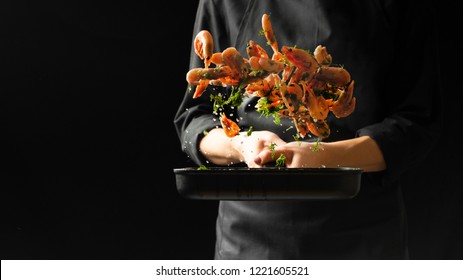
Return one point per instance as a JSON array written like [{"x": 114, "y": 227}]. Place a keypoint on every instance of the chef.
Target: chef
[{"x": 389, "y": 49}]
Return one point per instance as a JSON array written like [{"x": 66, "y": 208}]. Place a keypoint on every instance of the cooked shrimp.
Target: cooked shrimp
[
  {"x": 345, "y": 104},
  {"x": 296, "y": 84},
  {"x": 254, "y": 49},
  {"x": 269, "y": 34},
  {"x": 265, "y": 64},
  {"x": 296, "y": 90},
  {"x": 232, "y": 58},
  {"x": 289, "y": 95},
  {"x": 200, "y": 88},
  {"x": 322, "y": 56},
  {"x": 230, "y": 127},
  {"x": 260, "y": 88},
  {"x": 336, "y": 76},
  {"x": 254, "y": 63},
  {"x": 217, "y": 58},
  {"x": 204, "y": 46},
  {"x": 266, "y": 86},
  {"x": 319, "y": 128},
  {"x": 317, "y": 105},
  {"x": 302, "y": 126},
  {"x": 195, "y": 75},
  {"x": 301, "y": 59}
]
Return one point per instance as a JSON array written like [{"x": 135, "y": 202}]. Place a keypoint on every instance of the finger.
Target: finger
[
  {"x": 279, "y": 142},
  {"x": 252, "y": 164},
  {"x": 266, "y": 156}
]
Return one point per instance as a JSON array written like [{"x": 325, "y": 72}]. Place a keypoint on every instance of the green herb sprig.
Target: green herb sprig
[
  {"x": 272, "y": 149},
  {"x": 202, "y": 167},
  {"x": 280, "y": 162}
]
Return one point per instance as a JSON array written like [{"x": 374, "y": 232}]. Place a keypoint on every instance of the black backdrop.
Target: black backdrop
[{"x": 88, "y": 92}]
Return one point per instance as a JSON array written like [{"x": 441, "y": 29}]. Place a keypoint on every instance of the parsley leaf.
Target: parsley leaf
[
  {"x": 272, "y": 149},
  {"x": 280, "y": 162},
  {"x": 249, "y": 131},
  {"x": 316, "y": 147}
]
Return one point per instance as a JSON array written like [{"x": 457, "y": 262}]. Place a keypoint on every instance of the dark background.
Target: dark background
[{"x": 88, "y": 92}]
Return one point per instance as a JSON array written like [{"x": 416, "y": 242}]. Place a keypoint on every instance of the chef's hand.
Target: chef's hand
[
  {"x": 223, "y": 150},
  {"x": 297, "y": 155},
  {"x": 251, "y": 145},
  {"x": 361, "y": 152}
]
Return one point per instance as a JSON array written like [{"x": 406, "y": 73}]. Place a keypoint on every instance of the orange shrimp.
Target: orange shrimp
[
  {"x": 202, "y": 77},
  {"x": 317, "y": 105},
  {"x": 265, "y": 64},
  {"x": 232, "y": 58},
  {"x": 302, "y": 126},
  {"x": 263, "y": 87},
  {"x": 195, "y": 75},
  {"x": 298, "y": 85},
  {"x": 297, "y": 75},
  {"x": 230, "y": 127},
  {"x": 269, "y": 34},
  {"x": 200, "y": 88},
  {"x": 254, "y": 49},
  {"x": 290, "y": 100},
  {"x": 322, "y": 56},
  {"x": 217, "y": 58},
  {"x": 260, "y": 88},
  {"x": 301, "y": 59},
  {"x": 295, "y": 89},
  {"x": 293, "y": 100},
  {"x": 345, "y": 104},
  {"x": 337, "y": 76},
  {"x": 319, "y": 128},
  {"x": 204, "y": 46}
]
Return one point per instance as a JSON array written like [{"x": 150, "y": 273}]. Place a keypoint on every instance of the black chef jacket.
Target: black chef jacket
[{"x": 389, "y": 49}]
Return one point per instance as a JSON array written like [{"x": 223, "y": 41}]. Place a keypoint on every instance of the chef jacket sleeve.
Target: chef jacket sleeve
[
  {"x": 195, "y": 117},
  {"x": 413, "y": 128}
]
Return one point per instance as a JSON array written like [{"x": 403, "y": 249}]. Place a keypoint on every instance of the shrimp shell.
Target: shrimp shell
[
  {"x": 230, "y": 127},
  {"x": 300, "y": 58},
  {"x": 337, "y": 76},
  {"x": 345, "y": 104},
  {"x": 195, "y": 75},
  {"x": 269, "y": 34},
  {"x": 322, "y": 56},
  {"x": 232, "y": 58},
  {"x": 204, "y": 46}
]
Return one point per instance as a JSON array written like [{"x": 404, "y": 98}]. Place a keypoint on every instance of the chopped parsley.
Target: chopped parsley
[
  {"x": 280, "y": 162},
  {"x": 257, "y": 73},
  {"x": 218, "y": 102},
  {"x": 297, "y": 138},
  {"x": 316, "y": 147},
  {"x": 272, "y": 149},
  {"x": 263, "y": 107},
  {"x": 235, "y": 99},
  {"x": 249, "y": 132},
  {"x": 203, "y": 167},
  {"x": 328, "y": 94}
]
